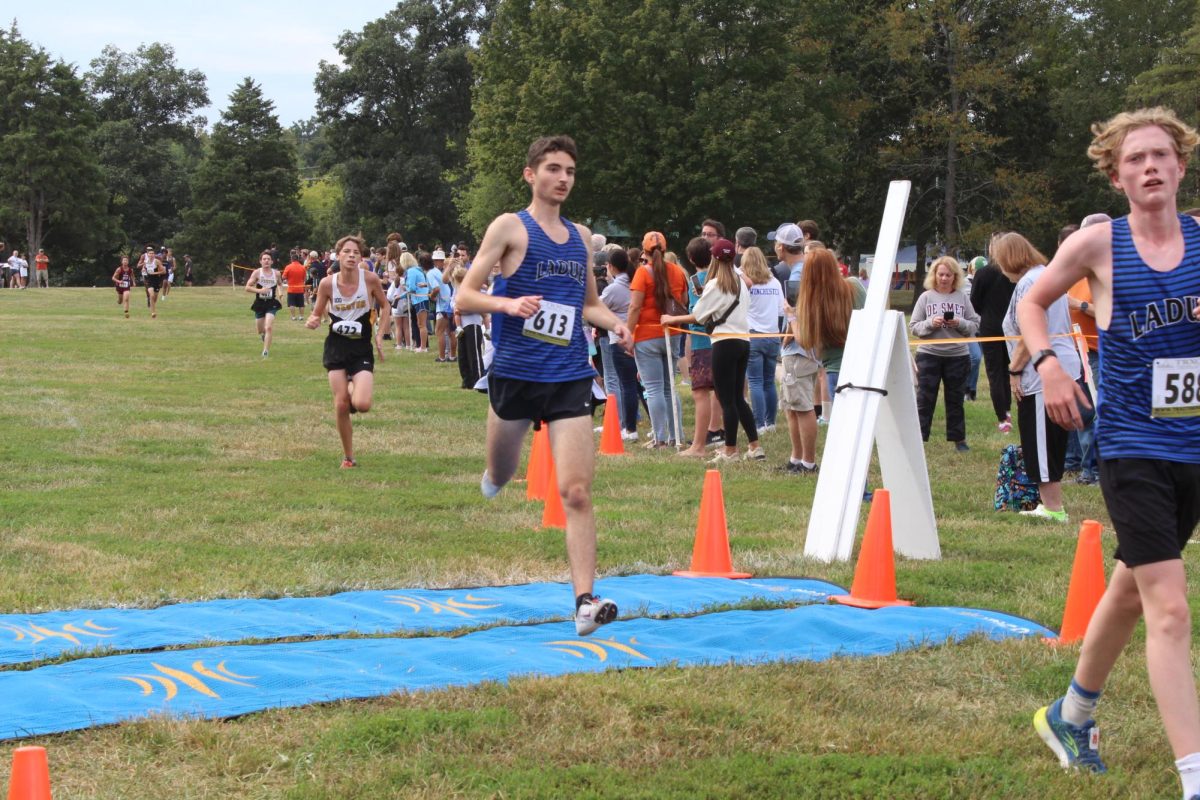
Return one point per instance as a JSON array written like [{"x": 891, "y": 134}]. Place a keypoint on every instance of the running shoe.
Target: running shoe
[
  {"x": 1004, "y": 427},
  {"x": 756, "y": 454},
  {"x": 714, "y": 438},
  {"x": 487, "y": 488},
  {"x": 629, "y": 436},
  {"x": 266, "y": 353},
  {"x": 722, "y": 457},
  {"x": 792, "y": 468},
  {"x": 822, "y": 421},
  {"x": 1076, "y": 746},
  {"x": 766, "y": 429},
  {"x": 347, "y": 463},
  {"x": 1041, "y": 512},
  {"x": 961, "y": 447},
  {"x": 592, "y": 613}
]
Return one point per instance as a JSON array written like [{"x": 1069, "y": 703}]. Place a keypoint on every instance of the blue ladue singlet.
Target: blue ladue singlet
[
  {"x": 1151, "y": 318},
  {"x": 558, "y": 273}
]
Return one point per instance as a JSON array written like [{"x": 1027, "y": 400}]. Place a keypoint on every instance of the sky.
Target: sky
[{"x": 279, "y": 43}]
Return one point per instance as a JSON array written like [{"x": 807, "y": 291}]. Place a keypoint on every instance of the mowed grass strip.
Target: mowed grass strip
[{"x": 154, "y": 461}]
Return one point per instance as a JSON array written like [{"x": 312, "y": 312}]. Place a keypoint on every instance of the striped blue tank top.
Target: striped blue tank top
[
  {"x": 557, "y": 272},
  {"x": 1151, "y": 318}
]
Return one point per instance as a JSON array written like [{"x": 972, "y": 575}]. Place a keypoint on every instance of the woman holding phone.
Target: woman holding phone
[{"x": 944, "y": 311}]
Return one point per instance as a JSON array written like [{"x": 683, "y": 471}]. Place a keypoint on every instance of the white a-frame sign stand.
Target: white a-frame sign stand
[{"x": 876, "y": 402}]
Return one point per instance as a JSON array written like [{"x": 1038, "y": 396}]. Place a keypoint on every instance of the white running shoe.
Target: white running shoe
[
  {"x": 593, "y": 613},
  {"x": 629, "y": 436},
  {"x": 721, "y": 457},
  {"x": 1041, "y": 512},
  {"x": 489, "y": 489}
]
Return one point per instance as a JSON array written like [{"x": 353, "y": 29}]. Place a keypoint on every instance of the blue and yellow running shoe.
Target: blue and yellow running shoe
[{"x": 1075, "y": 745}]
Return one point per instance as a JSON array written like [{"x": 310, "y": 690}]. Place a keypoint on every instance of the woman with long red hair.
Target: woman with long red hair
[{"x": 823, "y": 307}]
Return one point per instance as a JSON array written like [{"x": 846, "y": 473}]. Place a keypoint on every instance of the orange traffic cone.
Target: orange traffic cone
[
  {"x": 711, "y": 557},
  {"x": 875, "y": 575},
  {"x": 1087, "y": 584},
  {"x": 539, "y": 464},
  {"x": 30, "y": 775},
  {"x": 553, "y": 513},
  {"x": 611, "y": 443}
]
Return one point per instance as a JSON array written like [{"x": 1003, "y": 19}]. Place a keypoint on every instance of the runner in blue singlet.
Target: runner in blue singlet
[
  {"x": 545, "y": 294},
  {"x": 1144, "y": 273}
]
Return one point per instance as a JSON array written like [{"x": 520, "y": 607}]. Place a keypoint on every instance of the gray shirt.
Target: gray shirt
[
  {"x": 616, "y": 297},
  {"x": 1058, "y": 319},
  {"x": 933, "y": 304}
]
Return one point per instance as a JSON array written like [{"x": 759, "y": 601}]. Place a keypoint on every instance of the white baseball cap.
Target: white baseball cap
[
  {"x": 788, "y": 234},
  {"x": 439, "y": 255}
]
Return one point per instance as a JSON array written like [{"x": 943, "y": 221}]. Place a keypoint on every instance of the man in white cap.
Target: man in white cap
[{"x": 799, "y": 387}]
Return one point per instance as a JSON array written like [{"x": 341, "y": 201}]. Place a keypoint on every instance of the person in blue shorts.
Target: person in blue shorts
[
  {"x": 543, "y": 296},
  {"x": 1144, "y": 273}
]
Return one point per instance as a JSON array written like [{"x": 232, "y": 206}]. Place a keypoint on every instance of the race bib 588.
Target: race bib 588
[{"x": 1176, "y": 388}]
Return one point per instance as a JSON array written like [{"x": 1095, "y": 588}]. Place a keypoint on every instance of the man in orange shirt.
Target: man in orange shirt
[
  {"x": 1081, "y": 444},
  {"x": 42, "y": 273},
  {"x": 295, "y": 274}
]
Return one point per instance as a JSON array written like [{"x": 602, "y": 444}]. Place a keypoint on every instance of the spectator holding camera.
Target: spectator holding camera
[{"x": 944, "y": 311}]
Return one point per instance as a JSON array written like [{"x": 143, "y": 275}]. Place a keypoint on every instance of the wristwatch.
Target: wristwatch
[{"x": 1042, "y": 355}]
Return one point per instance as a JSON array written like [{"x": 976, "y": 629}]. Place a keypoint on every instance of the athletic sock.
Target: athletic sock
[
  {"x": 1079, "y": 705},
  {"x": 796, "y": 461},
  {"x": 1189, "y": 774},
  {"x": 808, "y": 464}
]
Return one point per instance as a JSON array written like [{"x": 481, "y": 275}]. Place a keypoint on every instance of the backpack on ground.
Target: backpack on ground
[{"x": 1015, "y": 490}]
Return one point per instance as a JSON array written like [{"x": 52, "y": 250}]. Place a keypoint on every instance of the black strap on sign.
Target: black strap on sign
[{"x": 838, "y": 390}]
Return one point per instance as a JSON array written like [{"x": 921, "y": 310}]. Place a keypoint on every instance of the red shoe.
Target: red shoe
[{"x": 347, "y": 463}]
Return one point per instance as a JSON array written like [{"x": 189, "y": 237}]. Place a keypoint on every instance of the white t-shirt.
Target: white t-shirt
[{"x": 767, "y": 305}]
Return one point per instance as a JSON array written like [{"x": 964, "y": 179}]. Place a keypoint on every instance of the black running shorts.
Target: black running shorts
[
  {"x": 352, "y": 355},
  {"x": 514, "y": 399},
  {"x": 1154, "y": 506}
]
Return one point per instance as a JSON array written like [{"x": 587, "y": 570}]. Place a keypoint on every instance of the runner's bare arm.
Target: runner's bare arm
[
  {"x": 323, "y": 295},
  {"x": 595, "y": 312},
  {"x": 1074, "y": 261},
  {"x": 500, "y": 246},
  {"x": 375, "y": 290},
  {"x": 251, "y": 284}
]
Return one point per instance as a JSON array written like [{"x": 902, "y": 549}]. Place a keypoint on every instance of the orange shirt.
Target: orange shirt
[
  {"x": 648, "y": 326},
  {"x": 42, "y": 261},
  {"x": 1082, "y": 292},
  {"x": 294, "y": 273}
]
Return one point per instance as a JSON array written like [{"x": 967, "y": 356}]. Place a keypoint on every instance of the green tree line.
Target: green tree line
[{"x": 683, "y": 109}]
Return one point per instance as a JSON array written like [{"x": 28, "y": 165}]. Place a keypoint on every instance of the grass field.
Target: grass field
[{"x": 148, "y": 462}]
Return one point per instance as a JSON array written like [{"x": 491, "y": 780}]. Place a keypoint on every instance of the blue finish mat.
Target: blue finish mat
[
  {"x": 234, "y": 680},
  {"x": 33, "y": 637}
]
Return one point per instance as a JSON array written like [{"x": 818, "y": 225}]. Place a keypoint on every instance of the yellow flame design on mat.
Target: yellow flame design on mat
[
  {"x": 174, "y": 677},
  {"x": 598, "y": 647},
  {"x": 452, "y": 605},
  {"x": 70, "y": 632}
]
